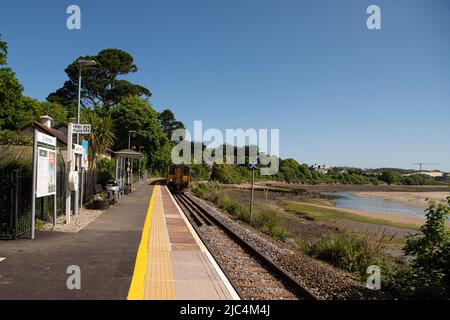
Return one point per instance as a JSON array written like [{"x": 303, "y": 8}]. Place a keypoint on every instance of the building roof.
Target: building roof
[
  {"x": 60, "y": 125},
  {"x": 56, "y": 133},
  {"x": 128, "y": 153}
]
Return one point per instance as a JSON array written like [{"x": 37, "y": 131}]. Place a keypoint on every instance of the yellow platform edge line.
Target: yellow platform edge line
[{"x": 137, "y": 286}]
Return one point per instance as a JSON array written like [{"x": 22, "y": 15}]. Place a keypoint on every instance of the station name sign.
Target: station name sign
[
  {"x": 46, "y": 139},
  {"x": 81, "y": 128}
]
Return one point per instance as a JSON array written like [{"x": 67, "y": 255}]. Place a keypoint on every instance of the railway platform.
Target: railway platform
[
  {"x": 172, "y": 262},
  {"x": 142, "y": 248}
]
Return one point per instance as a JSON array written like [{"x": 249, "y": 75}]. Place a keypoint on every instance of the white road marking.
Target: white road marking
[{"x": 1, "y": 259}]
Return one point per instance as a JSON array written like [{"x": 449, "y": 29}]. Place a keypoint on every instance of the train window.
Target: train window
[
  {"x": 171, "y": 170},
  {"x": 186, "y": 171}
]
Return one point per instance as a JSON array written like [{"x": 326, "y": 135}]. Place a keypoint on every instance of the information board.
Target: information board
[{"x": 46, "y": 172}]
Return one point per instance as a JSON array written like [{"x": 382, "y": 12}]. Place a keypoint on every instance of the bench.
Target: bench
[{"x": 98, "y": 189}]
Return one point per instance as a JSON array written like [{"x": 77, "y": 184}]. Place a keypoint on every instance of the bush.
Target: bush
[
  {"x": 203, "y": 190},
  {"x": 105, "y": 164},
  {"x": 100, "y": 196},
  {"x": 428, "y": 274},
  {"x": 228, "y": 205},
  {"x": 9, "y": 163},
  {"x": 269, "y": 220},
  {"x": 39, "y": 224},
  {"x": 348, "y": 252}
]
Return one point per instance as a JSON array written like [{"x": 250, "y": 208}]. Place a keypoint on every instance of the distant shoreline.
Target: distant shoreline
[{"x": 357, "y": 188}]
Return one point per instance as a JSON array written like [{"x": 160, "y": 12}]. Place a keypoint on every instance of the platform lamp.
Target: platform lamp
[
  {"x": 85, "y": 63},
  {"x": 129, "y": 148},
  {"x": 129, "y": 138},
  {"x": 140, "y": 162}
]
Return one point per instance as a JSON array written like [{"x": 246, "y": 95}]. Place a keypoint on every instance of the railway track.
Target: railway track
[{"x": 253, "y": 275}]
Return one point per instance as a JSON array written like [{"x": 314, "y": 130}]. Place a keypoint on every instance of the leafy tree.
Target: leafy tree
[
  {"x": 225, "y": 173},
  {"x": 304, "y": 170},
  {"x": 199, "y": 172},
  {"x": 431, "y": 266},
  {"x": 390, "y": 177},
  {"x": 101, "y": 88},
  {"x": 29, "y": 108},
  {"x": 134, "y": 113},
  {"x": 10, "y": 91},
  {"x": 102, "y": 135},
  {"x": 290, "y": 169},
  {"x": 168, "y": 122},
  {"x": 3, "y": 52},
  {"x": 413, "y": 180}
]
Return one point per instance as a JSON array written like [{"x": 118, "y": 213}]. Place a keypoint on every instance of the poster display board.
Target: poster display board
[
  {"x": 84, "y": 159},
  {"x": 46, "y": 172}
]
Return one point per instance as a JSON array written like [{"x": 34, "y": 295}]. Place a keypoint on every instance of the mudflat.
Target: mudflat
[
  {"x": 393, "y": 217},
  {"x": 411, "y": 199}
]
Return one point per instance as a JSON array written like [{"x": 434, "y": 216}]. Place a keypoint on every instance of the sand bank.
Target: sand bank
[
  {"x": 393, "y": 217},
  {"x": 410, "y": 199}
]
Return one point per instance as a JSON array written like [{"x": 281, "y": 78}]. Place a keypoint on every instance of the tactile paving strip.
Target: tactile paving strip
[{"x": 177, "y": 267}]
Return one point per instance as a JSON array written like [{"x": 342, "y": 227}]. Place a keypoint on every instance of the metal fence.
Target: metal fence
[
  {"x": 15, "y": 199},
  {"x": 15, "y": 195},
  {"x": 15, "y": 204}
]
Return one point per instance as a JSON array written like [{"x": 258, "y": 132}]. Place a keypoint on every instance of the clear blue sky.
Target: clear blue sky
[{"x": 338, "y": 92}]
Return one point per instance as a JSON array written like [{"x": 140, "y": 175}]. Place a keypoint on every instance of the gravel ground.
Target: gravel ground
[
  {"x": 77, "y": 222},
  {"x": 247, "y": 273},
  {"x": 320, "y": 278}
]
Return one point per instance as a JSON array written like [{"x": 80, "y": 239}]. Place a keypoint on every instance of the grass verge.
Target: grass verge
[{"x": 266, "y": 219}]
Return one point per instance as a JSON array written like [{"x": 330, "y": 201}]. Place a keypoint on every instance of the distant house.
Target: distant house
[{"x": 321, "y": 168}]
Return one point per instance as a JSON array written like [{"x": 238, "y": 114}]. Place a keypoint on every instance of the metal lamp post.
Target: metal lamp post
[
  {"x": 81, "y": 62},
  {"x": 129, "y": 160},
  {"x": 129, "y": 138},
  {"x": 140, "y": 161}
]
